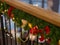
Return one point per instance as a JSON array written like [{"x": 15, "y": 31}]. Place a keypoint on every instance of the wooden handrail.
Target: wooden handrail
[
  {"x": 2, "y": 0},
  {"x": 46, "y": 15}
]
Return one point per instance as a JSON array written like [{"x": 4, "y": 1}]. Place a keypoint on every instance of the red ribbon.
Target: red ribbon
[
  {"x": 34, "y": 30},
  {"x": 10, "y": 11}
]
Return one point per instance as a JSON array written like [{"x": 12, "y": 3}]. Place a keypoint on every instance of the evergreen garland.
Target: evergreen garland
[
  {"x": 18, "y": 15},
  {"x": 54, "y": 34}
]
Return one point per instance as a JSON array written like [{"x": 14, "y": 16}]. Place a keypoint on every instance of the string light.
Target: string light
[
  {"x": 6, "y": 10},
  {"x": 13, "y": 18},
  {"x": 1, "y": 4},
  {"x": 4, "y": 27}
]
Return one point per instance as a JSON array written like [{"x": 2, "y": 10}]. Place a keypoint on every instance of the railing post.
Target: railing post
[
  {"x": 37, "y": 40},
  {"x": 6, "y": 30},
  {"x": 10, "y": 31},
  {"x": 15, "y": 33},
  {"x": 2, "y": 28}
]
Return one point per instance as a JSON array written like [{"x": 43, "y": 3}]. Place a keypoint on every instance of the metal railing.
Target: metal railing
[{"x": 7, "y": 38}]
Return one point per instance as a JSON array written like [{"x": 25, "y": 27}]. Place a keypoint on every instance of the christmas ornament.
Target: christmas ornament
[
  {"x": 59, "y": 42},
  {"x": 37, "y": 21},
  {"x": 41, "y": 39},
  {"x": 30, "y": 25},
  {"x": 47, "y": 29}
]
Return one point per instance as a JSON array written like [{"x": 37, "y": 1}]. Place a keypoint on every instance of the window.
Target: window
[
  {"x": 59, "y": 6},
  {"x": 39, "y": 3},
  {"x": 36, "y": 2}
]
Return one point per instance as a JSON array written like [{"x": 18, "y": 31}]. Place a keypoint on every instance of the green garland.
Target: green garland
[
  {"x": 54, "y": 34},
  {"x": 18, "y": 14}
]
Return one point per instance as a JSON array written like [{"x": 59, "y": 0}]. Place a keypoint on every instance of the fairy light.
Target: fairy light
[
  {"x": 8, "y": 35},
  {"x": 13, "y": 18},
  {"x": 6, "y": 10},
  {"x": 4, "y": 27},
  {"x": 1, "y": 4}
]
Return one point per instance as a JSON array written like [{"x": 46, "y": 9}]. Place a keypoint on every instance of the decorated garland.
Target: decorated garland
[{"x": 46, "y": 31}]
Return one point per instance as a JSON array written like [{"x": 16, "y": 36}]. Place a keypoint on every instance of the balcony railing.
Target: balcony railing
[
  {"x": 7, "y": 38},
  {"x": 38, "y": 12}
]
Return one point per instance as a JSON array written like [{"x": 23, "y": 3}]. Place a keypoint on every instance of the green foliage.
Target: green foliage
[
  {"x": 54, "y": 35},
  {"x": 18, "y": 14}
]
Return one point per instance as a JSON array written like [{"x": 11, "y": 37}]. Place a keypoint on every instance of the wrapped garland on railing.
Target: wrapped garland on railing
[{"x": 36, "y": 26}]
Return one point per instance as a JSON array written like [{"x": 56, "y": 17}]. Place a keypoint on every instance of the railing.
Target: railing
[
  {"x": 38, "y": 12},
  {"x": 8, "y": 39}
]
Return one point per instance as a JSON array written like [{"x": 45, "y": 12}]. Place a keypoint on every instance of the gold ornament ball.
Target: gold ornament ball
[
  {"x": 30, "y": 25},
  {"x": 59, "y": 42}
]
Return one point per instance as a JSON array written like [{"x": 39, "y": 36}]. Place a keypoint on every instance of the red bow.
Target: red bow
[
  {"x": 34, "y": 30},
  {"x": 10, "y": 11},
  {"x": 40, "y": 31},
  {"x": 47, "y": 29}
]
